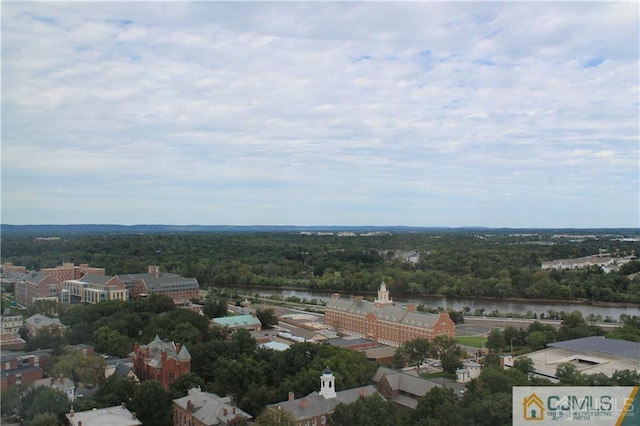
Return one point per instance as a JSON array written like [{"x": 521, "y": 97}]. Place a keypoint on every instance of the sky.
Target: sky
[{"x": 499, "y": 114}]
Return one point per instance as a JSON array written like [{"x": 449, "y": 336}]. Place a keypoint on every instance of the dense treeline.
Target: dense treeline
[{"x": 466, "y": 264}]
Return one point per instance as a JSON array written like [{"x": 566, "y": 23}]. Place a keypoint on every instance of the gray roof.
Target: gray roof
[
  {"x": 318, "y": 405},
  {"x": 619, "y": 348},
  {"x": 390, "y": 313},
  {"x": 36, "y": 277},
  {"x": 123, "y": 369},
  {"x": 95, "y": 279},
  {"x": 39, "y": 320},
  {"x": 209, "y": 408},
  {"x": 165, "y": 281},
  {"x": 157, "y": 347}
]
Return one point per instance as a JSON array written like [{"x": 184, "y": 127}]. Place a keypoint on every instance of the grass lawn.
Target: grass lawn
[{"x": 475, "y": 341}]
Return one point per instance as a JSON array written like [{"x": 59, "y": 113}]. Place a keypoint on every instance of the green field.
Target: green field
[{"x": 475, "y": 341}]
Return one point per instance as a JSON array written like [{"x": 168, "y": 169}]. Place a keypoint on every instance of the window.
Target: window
[{"x": 323, "y": 420}]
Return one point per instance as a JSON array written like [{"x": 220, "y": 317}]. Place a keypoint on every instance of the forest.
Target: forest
[{"x": 467, "y": 263}]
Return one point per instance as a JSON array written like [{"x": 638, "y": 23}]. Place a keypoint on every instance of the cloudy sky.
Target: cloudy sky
[{"x": 514, "y": 114}]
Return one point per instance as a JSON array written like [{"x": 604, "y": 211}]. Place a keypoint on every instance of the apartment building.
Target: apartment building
[
  {"x": 206, "y": 409},
  {"x": 383, "y": 322}
]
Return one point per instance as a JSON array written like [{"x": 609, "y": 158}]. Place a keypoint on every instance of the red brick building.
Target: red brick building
[
  {"x": 69, "y": 271},
  {"x": 37, "y": 285},
  {"x": 383, "y": 322},
  {"x": 178, "y": 288},
  {"x": 22, "y": 369},
  {"x": 162, "y": 361}
]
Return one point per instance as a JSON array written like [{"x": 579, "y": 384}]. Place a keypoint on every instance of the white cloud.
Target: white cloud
[{"x": 314, "y": 113}]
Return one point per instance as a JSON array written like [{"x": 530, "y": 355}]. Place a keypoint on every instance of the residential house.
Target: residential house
[
  {"x": 12, "y": 324},
  {"x": 35, "y": 323},
  {"x": 121, "y": 369},
  {"x": 110, "y": 416},
  {"x": 383, "y": 322},
  {"x": 206, "y": 409},
  {"x": 316, "y": 408},
  {"x": 62, "y": 384},
  {"x": 162, "y": 361},
  {"x": 156, "y": 282}
]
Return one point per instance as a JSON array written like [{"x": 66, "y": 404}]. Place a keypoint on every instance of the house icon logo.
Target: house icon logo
[{"x": 533, "y": 408}]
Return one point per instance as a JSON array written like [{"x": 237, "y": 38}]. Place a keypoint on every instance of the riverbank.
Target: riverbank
[{"x": 517, "y": 300}]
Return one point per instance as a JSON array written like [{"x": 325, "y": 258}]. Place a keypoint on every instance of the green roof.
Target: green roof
[{"x": 237, "y": 321}]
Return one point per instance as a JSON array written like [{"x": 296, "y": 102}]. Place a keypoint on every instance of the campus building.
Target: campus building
[
  {"x": 383, "y": 322},
  {"x": 162, "y": 361},
  {"x": 178, "y": 288},
  {"x": 95, "y": 288},
  {"x": 316, "y": 408}
]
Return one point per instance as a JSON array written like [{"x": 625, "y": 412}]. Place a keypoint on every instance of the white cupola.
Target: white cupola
[{"x": 327, "y": 384}]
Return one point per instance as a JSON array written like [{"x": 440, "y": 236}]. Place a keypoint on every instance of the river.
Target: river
[{"x": 458, "y": 303}]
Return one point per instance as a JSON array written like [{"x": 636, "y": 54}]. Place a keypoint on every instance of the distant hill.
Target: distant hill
[{"x": 155, "y": 229}]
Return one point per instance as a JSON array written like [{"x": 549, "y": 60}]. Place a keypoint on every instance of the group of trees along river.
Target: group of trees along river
[{"x": 500, "y": 264}]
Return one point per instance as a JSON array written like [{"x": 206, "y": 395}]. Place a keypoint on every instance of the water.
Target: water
[{"x": 458, "y": 303}]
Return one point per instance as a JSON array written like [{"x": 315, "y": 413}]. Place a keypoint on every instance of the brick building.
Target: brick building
[
  {"x": 316, "y": 408},
  {"x": 383, "y": 322},
  {"x": 206, "y": 409},
  {"x": 178, "y": 288},
  {"x": 35, "y": 323},
  {"x": 37, "y": 286},
  {"x": 10, "y": 268},
  {"x": 69, "y": 271},
  {"x": 22, "y": 368},
  {"x": 162, "y": 361},
  {"x": 94, "y": 288}
]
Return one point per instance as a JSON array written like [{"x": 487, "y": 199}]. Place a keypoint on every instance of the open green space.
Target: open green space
[{"x": 475, "y": 341}]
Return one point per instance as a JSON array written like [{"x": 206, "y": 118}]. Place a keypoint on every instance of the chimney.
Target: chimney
[
  {"x": 154, "y": 271},
  {"x": 225, "y": 412},
  {"x": 79, "y": 422},
  {"x": 234, "y": 410},
  {"x": 303, "y": 403},
  {"x": 363, "y": 392},
  {"x": 411, "y": 307},
  {"x": 71, "y": 412},
  {"x": 358, "y": 298},
  {"x": 291, "y": 396},
  {"x": 133, "y": 416},
  {"x": 123, "y": 404},
  {"x": 178, "y": 347},
  {"x": 190, "y": 406},
  {"x": 335, "y": 296}
]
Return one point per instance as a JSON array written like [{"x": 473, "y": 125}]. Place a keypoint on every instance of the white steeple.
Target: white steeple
[
  {"x": 327, "y": 384},
  {"x": 383, "y": 296}
]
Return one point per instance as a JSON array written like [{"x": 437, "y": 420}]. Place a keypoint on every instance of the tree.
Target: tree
[
  {"x": 568, "y": 374},
  {"x": 267, "y": 317},
  {"x": 115, "y": 391},
  {"x": 495, "y": 341},
  {"x": 42, "y": 399},
  {"x": 75, "y": 366},
  {"x": 111, "y": 342},
  {"x": 370, "y": 410},
  {"x": 438, "y": 407},
  {"x": 215, "y": 307},
  {"x": 45, "y": 419},
  {"x": 524, "y": 364},
  {"x": 181, "y": 385},
  {"x": 275, "y": 417},
  {"x": 413, "y": 352},
  {"x": 151, "y": 404}
]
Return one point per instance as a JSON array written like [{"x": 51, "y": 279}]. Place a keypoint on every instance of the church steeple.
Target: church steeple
[
  {"x": 383, "y": 296},
  {"x": 327, "y": 384}
]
